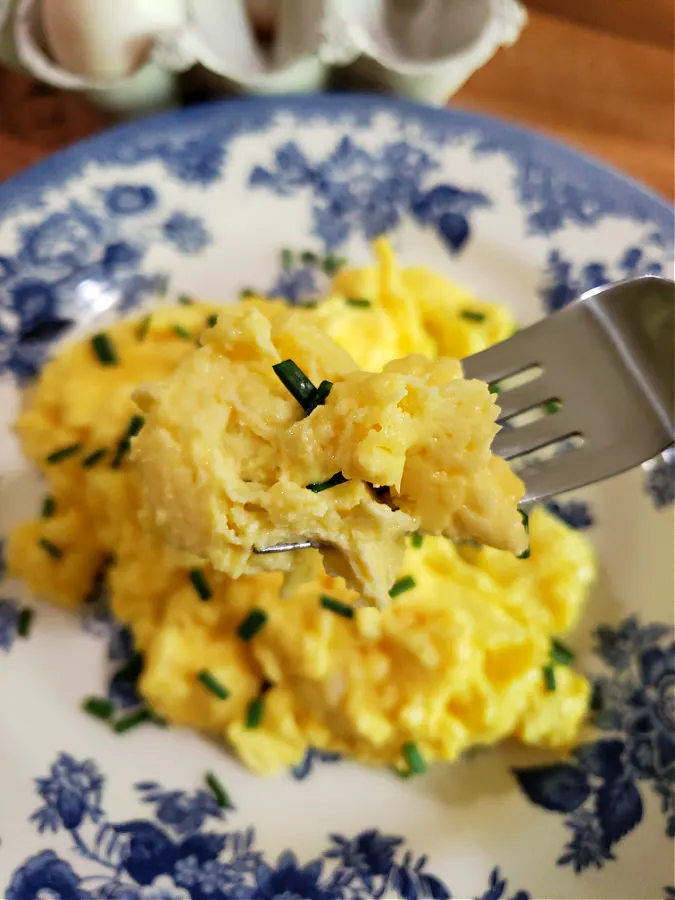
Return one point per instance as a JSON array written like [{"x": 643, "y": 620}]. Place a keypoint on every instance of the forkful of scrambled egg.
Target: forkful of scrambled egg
[{"x": 269, "y": 433}]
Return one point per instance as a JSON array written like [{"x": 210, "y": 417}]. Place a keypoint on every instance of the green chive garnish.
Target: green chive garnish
[
  {"x": 135, "y": 425},
  {"x": 309, "y": 258},
  {"x": 182, "y": 332},
  {"x": 252, "y": 624},
  {"x": 553, "y": 406},
  {"x": 98, "y": 707},
  {"x": 332, "y": 264},
  {"x": 319, "y": 486},
  {"x": 90, "y": 461},
  {"x": 494, "y": 389},
  {"x": 200, "y": 584},
  {"x": 105, "y": 349},
  {"x": 185, "y": 300},
  {"x": 64, "y": 453},
  {"x": 337, "y": 606},
  {"x": 473, "y": 316},
  {"x": 133, "y": 720},
  {"x": 48, "y": 507},
  {"x": 416, "y": 540},
  {"x": 212, "y": 684},
  {"x": 122, "y": 449},
  {"x": 526, "y": 525},
  {"x": 549, "y": 678},
  {"x": 286, "y": 260},
  {"x": 143, "y": 327},
  {"x": 319, "y": 396},
  {"x": 407, "y": 583},
  {"x": 295, "y": 381},
  {"x": 561, "y": 654},
  {"x": 211, "y": 321},
  {"x": 24, "y": 622},
  {"x": 246, "y": 292},
  {"x": 50, "y": 548},
  {"x": 255, "y": 712},
  {"x": 218, "y": 791},
  {"x": 359, "y": 302},
  {"x": 411, "y": 753}
]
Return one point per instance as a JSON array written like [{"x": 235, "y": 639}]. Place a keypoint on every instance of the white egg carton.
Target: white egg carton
[{"x": 422, "y": 48}]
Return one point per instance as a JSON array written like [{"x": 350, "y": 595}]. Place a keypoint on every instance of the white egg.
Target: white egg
[{"x": 106, "y": 39}]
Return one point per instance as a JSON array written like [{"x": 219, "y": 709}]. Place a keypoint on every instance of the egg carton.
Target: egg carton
[{"x": 425, "y": 49}]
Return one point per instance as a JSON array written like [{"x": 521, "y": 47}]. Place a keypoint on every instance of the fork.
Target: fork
[{"x": 603, "y": 367}]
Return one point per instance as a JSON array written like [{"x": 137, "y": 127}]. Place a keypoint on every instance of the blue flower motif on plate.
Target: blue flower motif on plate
[
  {"x": 357, "y": 191},
  {"x": 86, "y": 257},
  {"x": 9, "y": 616},
  {"x": 172, "y": 856},
  {"x": 601, "y": 787}
]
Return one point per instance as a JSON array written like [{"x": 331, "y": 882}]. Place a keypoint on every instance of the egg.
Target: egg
[
  {"x": 273, "y": 665},
  {"x": 230, "y": 460}
]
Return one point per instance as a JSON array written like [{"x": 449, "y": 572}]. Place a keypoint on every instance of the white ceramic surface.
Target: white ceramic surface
[{"x": 209, "y": 196}]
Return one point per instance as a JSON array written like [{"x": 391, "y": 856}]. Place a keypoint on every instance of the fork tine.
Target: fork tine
[
  {"x": 505, "y": 358},
  {"x": 512, "y": 442},
  {"x": 525, "y": 396}
]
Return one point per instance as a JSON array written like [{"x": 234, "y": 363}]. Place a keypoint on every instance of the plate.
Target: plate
[{"x": 207, "y": 197}]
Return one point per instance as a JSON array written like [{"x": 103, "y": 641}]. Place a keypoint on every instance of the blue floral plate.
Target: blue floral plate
[{"x": 207, "y": 197}]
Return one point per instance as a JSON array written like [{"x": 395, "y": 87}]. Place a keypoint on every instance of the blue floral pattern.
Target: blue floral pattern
[
  {"x": 600, "y": 789},
  {"x": 354, "y": 190},
  {"x": 174, "y": 854},
  {"x": 81, "y": 257}
]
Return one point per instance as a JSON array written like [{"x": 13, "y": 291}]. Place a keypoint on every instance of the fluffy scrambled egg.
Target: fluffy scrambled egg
[
  {"x": 227, "y": 453},
  {"x": 457, "y": 659}
]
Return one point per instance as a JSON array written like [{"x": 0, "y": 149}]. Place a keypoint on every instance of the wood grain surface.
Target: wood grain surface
[{"x": 597, "y": 75}]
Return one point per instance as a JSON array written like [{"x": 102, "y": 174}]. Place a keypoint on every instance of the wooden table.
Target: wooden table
[{"x": 602, "y": 81}]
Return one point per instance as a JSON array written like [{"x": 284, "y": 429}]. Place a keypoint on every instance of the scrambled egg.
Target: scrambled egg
[
  {"x": 227, "y": 453},
  {"x": 457, "y": 659}
]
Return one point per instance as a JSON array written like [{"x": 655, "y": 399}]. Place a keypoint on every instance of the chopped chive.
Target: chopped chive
[
  {"x": 309, "y": 304},
  {"x": 319, "y": 486},
  {"x": 157, "y": 720},
  {"x": 64, "y": 453},
  {"x": 295, "y": 381},
  {"x": 211, "y": 320},
  {"x": 185, "y": 300},
  {"x": 414, "y": 759},
  {"x": 162, "y": 285},
  {"x": 359, "y": 302},
  {"x": 255, "y": 712},
  {"x": 24, "y": 622},
  {"x": 494, "y": 389},
  {"x": 252, "y": 624},
  {"x": 143, "y": 327},
  {"x": 246, "y": 292},
  {"x": 200, "y": 584},
  {"x": 332, "y": 264},
  {"x": 561, "y": 654},
  {"x": 416, "y": 540},
  {"x": 286, "y": 259},
  {"x": 135, "y": 425},
  {"x": 526, "y": 525},
  {"x": 50, "y": 548},
  {"x": 212, "y": 684},
  {"x": 218, "y": 791},
  {"x": 182, "y": 332},
  {"x": 319, "y": 396},
  {"x": 549, "y": 678},
  {"x": 309, "y": 258},
  {"x": 105, "y": 349},
  {"x": 48, "y": 507},
  {"x": 553, "y": 406},
  {"x": 122, "y": 449},
  {"x": 472, "y": 316},
  {"x": 90, "y": 461},
  {"x": 337, "y": 606},
  {"x": 133, "y": 720},
  {"x": 407, "y": 583},
  {"x": 98, "y": 707}
]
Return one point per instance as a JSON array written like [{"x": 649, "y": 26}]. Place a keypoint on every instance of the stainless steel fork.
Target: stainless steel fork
[{"x": 603, "y": 378}]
